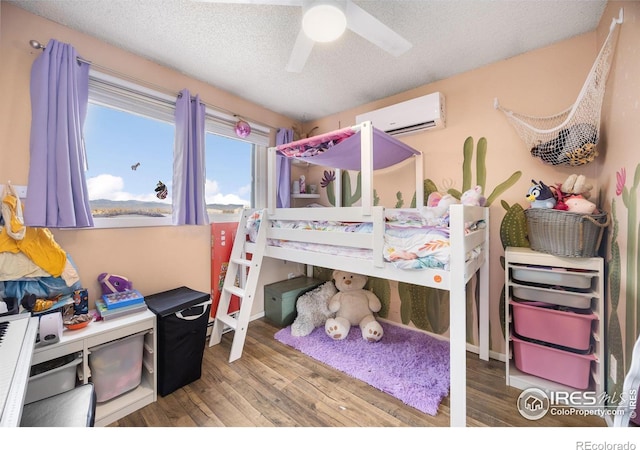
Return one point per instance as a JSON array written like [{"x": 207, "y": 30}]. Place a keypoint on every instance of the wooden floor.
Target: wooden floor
[{"x": 273, "y": 385}]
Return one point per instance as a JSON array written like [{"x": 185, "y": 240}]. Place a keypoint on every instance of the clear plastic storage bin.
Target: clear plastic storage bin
[
  {"x": 554, "y": 276},
  {"x": 52, "y": 377},
  {"x": 116, "y": 367},
  {"x": 559, "y": 297}
]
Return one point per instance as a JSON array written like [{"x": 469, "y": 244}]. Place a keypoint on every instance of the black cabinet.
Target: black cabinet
[{"x": 182, "y": 318}]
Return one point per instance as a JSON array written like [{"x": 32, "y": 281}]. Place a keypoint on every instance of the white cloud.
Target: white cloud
[
  {"x": 245, "y": 190},
  {"x": 213, "y": 195},
  {"x": 110, "y": 187}
]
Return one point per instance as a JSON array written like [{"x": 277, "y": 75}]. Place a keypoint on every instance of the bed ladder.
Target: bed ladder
[{"x": 246, "y": 272}]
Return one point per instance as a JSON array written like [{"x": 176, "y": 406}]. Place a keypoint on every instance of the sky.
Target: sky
[{"x": 130, "y": 141}]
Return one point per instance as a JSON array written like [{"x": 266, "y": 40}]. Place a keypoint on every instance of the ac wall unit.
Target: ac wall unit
[{"x": 418, "y": 114}]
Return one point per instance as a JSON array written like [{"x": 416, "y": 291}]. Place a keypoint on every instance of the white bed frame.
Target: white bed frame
[{"x": 453, "y": 280}]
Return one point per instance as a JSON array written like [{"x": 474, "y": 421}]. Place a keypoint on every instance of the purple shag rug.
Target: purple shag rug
[{"x": 409, "y": 365}]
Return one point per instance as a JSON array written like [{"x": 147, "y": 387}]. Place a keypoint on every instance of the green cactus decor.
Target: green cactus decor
[
  {"x": 428, "y": 308},
  {"x": 428, "y": 187},
  {"x": 382, "y": 289},
  {"x": 481, "y": 172},
  {"x": 614, "y": 333},
  {"x": 513, "y": 233},
  {"x": 327, "y": 182},
  {"x": 349, "y": 199},
  {"x": 322, "y": 273},
  {"x": 513, "y": 228},
  {"x": 630, "y": 200},
  {"x": 399, "y": 200}
]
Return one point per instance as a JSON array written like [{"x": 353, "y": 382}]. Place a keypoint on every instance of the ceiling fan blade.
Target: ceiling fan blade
[
  {"x": 300, "y": 53},
  {"x": 257, "y": 2},
  {"x": 361, "y": 22}
]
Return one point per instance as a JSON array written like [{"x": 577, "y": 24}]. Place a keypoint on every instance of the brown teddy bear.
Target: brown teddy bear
[{"x": 353, "y": 306}]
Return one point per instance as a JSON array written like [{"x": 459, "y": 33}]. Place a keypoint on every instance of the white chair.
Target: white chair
[{"x": 629, "y": 391}]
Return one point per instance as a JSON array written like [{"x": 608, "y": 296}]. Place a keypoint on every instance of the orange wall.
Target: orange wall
[
  {"x": 538, "y": 83},
  {"x": 156, "y": 258},
  {"x": 541, "y": 82}
]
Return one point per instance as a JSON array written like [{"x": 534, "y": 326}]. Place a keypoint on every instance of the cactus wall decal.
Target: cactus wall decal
[
  {"x": 614, "y": 334},
  {"x": 381, "y": 288},
  {"x": 632, "y": 311},
  {"x": 513, "y": 233},
  {"x": 427, "y": 307},
  {"x": 349, "y": 199},
  {"x": 327, "y": 182}
]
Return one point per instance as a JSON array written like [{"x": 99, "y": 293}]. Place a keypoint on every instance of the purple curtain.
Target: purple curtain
[
  {"x": 57, "y": 194},
  {"x": 189, "y": 176},
  {"x": 283, "y": 170}
]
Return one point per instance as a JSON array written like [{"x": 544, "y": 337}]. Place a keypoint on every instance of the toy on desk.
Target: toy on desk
[
  {"x": 33, "y": 304},
  {"x": 122, "y": 299},
  {"x": 111, "y": 283},
  {"x": 540, "y": 195}
]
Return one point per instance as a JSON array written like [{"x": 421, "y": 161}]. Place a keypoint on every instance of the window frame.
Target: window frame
[{"x": 113, "y": 92}]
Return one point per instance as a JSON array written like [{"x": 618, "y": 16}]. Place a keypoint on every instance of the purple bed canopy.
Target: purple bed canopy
[{"x": 340, "y": 149}]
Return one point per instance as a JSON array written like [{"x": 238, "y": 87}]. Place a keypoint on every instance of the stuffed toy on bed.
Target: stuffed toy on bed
[
  {"x": 354, "y": 306},
  {"x": 473, "y": 197}
]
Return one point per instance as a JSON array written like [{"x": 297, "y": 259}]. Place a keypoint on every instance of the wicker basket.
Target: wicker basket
[{"x": 564, "y": 233}]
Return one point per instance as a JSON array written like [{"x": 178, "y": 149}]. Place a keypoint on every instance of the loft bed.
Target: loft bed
[{"x": 364, "y": 148}]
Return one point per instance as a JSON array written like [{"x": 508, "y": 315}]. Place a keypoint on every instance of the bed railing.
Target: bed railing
[{"x": 374, "y": 264}]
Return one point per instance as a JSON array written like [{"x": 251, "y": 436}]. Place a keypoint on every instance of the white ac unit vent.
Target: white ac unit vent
[{"x": 418, "y": 114}]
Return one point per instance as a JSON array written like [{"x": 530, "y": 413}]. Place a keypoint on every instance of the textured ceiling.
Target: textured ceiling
[{"x": 243, "y": 49}]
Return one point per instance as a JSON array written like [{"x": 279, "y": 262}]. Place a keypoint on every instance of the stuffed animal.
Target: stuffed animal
[
  {"x": 473, "y": 197},
  {"x": 111, "y": 283},
  {"x": 577, "y": 204},
  {"x": 313, "y": 309},
  {"x": 437, "y": 209},
  {"x": 353, "y": 306},
  {"x": 576, "y": 185},
  {"x": 540, "y": 195}
]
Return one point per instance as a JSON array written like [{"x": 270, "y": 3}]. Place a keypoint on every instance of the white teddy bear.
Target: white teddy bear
[
  {"x": 353, "y": 306},
  {"x": 313, "y": 309},
  {"x": 473, "y": 197}
]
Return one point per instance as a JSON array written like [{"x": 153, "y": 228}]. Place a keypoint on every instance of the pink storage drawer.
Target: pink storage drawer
[
  {"x": 539, "y": 321},
  {"x": 571, "y": 369}
]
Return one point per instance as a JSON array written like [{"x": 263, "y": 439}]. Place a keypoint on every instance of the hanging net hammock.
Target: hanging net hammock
[{"x": 570, "y": 138}]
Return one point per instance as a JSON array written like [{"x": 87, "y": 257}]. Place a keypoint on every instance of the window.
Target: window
[
  {"x": 129, "y": 137},
  {"x": 229, "y": 187}
]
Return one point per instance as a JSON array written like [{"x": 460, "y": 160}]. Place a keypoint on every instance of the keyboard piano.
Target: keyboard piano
[{"x": 17, "y": 339}]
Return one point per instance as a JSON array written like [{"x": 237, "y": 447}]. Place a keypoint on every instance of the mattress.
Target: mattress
[{"x": 411, "y": 241}]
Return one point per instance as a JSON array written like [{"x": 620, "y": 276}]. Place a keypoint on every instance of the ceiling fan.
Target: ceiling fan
[{"x": 326, "y": 20}]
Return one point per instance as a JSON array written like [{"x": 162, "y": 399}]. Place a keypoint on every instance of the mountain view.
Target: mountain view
[{"x": 113, "y": 208}]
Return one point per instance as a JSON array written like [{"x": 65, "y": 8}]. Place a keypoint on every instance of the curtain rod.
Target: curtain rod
[{"x": 38, "y": 46}]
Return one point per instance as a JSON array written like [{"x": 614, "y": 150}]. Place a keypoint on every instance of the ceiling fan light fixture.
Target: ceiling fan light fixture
[{"x": 324, "y": 22}]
